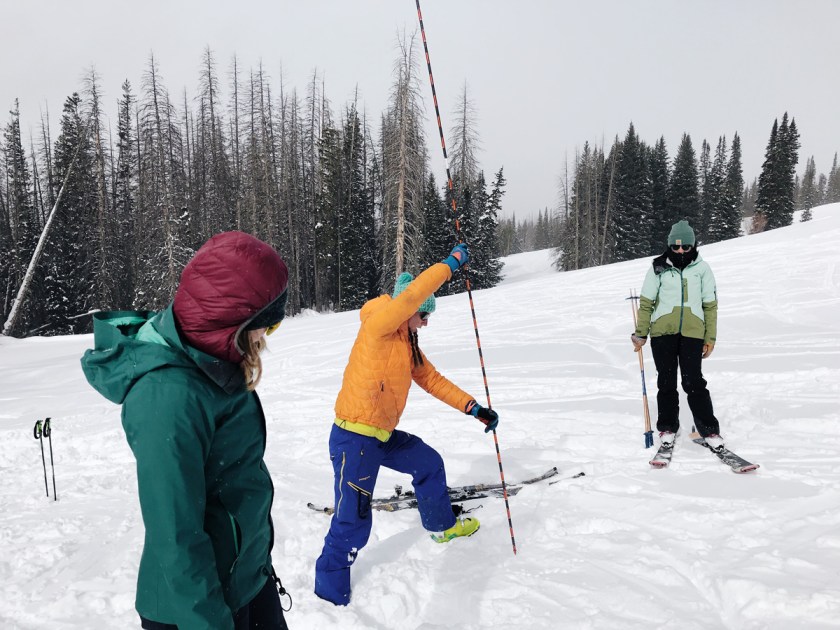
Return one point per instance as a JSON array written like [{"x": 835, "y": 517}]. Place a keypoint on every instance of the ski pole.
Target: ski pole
[
  {"x": 460, "y": 237},
  {"x": 48, "y": 434},
  {"x": 648, "y": 431},
  {"x": 38, "y": 432}
]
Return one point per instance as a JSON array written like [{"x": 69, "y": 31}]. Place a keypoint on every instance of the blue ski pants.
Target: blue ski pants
[{"x": 356, "y": 460}]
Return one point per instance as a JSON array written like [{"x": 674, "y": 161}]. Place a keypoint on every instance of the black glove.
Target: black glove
[{"x": 489, "y": 417}]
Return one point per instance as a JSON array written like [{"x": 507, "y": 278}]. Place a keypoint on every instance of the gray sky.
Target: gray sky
[{"x": 545, "y": 75}]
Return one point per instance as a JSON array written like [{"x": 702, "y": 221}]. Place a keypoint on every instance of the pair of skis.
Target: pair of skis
[
  {"x": 737, "y": 463},
  {"x": 407, "y": 500}
]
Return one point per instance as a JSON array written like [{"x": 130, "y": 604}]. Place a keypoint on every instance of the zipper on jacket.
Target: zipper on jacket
[
  {"x": 376, "y": 400},
  {"x": 235, "y": 541},
  {"x": 682, "y": 300}
]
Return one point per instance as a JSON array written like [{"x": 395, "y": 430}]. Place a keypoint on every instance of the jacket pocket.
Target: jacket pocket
[
  {"x": 235, "y": 536},
  {"x": 376, "y": 399}
]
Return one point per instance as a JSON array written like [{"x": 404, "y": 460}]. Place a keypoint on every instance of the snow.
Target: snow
[{"x": 692, "y": 546}]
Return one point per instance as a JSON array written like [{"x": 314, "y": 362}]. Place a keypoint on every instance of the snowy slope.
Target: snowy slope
[{"x": 624, "y": 547}]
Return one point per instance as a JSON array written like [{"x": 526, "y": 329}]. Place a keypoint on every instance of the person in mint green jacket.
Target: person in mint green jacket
[
  {"x": 678, "y": 309},
  {"x": 185, "y": 378}
]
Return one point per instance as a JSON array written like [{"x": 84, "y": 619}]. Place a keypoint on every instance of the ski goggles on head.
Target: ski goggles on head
[
  {"x": 685, "y": 248},
  {"x": 424, "y": 315},
  {"x": 273, "y": 327}
]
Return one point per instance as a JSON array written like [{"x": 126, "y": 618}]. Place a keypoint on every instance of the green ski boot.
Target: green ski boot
[{"x": 462, "y": 527}]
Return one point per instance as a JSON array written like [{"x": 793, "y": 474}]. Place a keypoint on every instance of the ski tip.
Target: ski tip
[
  {"x": 656, "y": 464},
  {"x": 746, "y": 469}
]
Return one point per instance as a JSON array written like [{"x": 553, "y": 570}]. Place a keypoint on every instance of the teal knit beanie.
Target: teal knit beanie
[
  {"x": 402, "y": 283},
  {"x": 681, "y": 234}
]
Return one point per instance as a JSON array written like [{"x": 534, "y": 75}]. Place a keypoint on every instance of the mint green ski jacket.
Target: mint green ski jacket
[
  {"x": 678, "y": 302},
  {"x": 205, "y": 494}
]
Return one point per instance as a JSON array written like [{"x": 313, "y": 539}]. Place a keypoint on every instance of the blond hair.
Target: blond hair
[{"x": 252, "y": 363}]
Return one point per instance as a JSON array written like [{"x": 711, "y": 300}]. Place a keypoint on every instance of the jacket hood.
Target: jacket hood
[
  {"x": 130, "y": 344},
  {"x": 230, "y": 280}
]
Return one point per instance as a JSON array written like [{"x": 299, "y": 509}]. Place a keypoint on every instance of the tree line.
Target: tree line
[
  {"x": 349, "y": 202},
  {"x": 620, "y": 205}
]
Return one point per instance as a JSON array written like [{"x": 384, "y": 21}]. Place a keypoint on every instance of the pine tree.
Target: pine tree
[
  {"x": 22, "y": 220},
  {"x": 480, "y": 232},
  {"x": 701, "y": 227},
  {"x": 715, "y": 195},
  {"x": 832, "y": 191},
  {"x": 776, "y": 184},
  {"x": 125, "y": 190},
  {"x": 808, "y": 194},
  {"x": 67, "y": 270},
  {"x": 328, "y": 210},
  {"x": 102, "y": 249},
  {"x": 684, "y": 197},
  {"x": 357, "y": 274},
  {"x": 438, "y": 225},
  {"x": 660, "y": 180},
  {"x": 729, "y": 221},
  {"x": 632, "y": 209}
]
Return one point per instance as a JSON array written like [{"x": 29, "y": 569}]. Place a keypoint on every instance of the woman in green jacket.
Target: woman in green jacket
[
  {"x": 185, "y": 378},
  {"x": 678, "y": 308}
]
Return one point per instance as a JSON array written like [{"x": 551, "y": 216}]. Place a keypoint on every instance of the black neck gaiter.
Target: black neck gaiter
[{"x": 681, "y": 260}]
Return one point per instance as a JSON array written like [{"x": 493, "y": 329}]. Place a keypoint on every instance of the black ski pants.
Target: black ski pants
[
  {"x": 669, "y": 352},
  {"x": 261, "y": 613}
]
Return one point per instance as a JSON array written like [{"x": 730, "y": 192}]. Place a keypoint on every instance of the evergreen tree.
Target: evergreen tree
[
  {"x": 822, "y": 185},
  {"x": 660, "y": 179},
  {"x": 684, "y": 197},
  {"x": 21, "y": 218},
  {"x": 485, "y": 268},
  {"x": 701, "y": 228},
  {"x": 808, "y": 194},
  {"x": 776, "y": 184},
  {"x": 832, "y": 191},
  {"x": 438, "y": 225},
  {"x": 506, "y": 237},
  {"x": 67, "y": 270},
  {"x": 357, "y": 274},
  {"x": 328, "y": 220},
  {"x": 729, "y": 221},
  {"x": 632, "y": 208},
  {"x": 102, "y": 249},
  {"x": 715, "y": 195},
  {"x": 125, "y": 190}
]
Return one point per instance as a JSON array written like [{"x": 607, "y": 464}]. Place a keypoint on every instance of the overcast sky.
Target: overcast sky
[{"x": 545, "y": 75}]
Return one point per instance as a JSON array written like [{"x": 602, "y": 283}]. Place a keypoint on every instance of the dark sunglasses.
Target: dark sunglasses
[
  {"x": 424, "y": 315},
  {"x": 685, "y": 248}
]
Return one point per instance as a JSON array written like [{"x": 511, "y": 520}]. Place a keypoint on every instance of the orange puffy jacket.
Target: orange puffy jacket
[{"x": 380, "y": 370}]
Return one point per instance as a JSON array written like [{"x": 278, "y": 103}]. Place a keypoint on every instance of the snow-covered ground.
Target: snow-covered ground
[{"x": 691, "y": 546}]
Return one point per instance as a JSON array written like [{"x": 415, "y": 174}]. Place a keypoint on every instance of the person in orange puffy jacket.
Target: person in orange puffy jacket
[{"x": 384, "y": 361}]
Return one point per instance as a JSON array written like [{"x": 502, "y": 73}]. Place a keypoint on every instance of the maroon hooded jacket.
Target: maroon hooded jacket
[{"x": 231, "y": 278}]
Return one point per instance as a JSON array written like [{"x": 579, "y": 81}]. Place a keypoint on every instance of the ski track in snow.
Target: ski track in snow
[{"x": 691, "y": 547}]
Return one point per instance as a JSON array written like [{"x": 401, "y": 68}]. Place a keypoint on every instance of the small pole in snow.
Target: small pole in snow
[
  {"x": 38, "y": 433},
  {"x": 48, "y": 434},
  {"x": 648, "y": 431}
]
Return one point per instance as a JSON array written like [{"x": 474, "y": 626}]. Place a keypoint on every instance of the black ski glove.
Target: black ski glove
[{"x": 489, "y": 417}]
